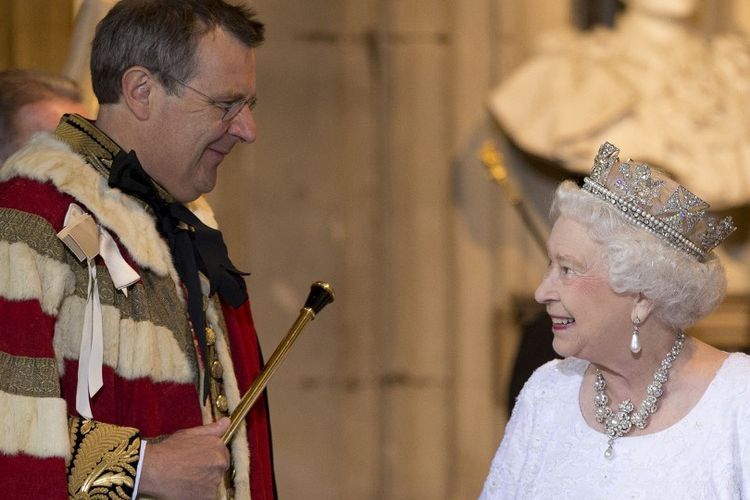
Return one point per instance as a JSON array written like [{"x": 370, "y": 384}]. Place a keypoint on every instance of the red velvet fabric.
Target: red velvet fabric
[
  {"x": 41, "y": 199},
  {"x": 29, "y": 478},
  {"x": 154, "y": 408},
  {"x": 248, "y": 363},
  {"x": 25, "y": 330}
]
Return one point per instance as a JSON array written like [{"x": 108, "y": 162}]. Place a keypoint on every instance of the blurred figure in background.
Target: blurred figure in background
[
  {"x": 78, "y": 61},
  {"x": 33, "y": 101}
]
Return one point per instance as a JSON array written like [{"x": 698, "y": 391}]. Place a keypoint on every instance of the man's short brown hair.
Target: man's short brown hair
[{"x": 162, "y": 36}]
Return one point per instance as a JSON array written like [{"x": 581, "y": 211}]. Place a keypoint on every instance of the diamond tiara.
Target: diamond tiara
[{"x": 656, "y": 203}]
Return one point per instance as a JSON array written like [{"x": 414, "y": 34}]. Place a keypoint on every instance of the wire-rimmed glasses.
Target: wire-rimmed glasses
[{"x": 230, "y": 109}]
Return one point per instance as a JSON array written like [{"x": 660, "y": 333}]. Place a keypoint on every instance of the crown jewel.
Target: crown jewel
[{"x": 656, "y": 203}]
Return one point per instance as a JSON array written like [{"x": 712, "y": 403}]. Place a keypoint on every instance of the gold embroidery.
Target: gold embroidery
[
  {"x": 152, "y": 299},
  {"x": 17, "y": 226},
  {"x": 104, "y": 461},
  {"x": 155, "y": 299},
  {"x": 26, "y": 376},
  {"x": 88, "y": 141},
  {"x": 74, "y": 424}
]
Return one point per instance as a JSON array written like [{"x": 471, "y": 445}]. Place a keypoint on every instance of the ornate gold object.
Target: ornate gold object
[
  {"x": 321, "y": 294},
  {"x": 217, "y": 371},
  {"x": 210, "y": 336},
  {"x": 214, "y": 377},
  {"x": 104, "y": 459},
  {"x": 497, "y": 171},
  {"x": 494, "y": 161},
  {"x": 221, "y": 403}
]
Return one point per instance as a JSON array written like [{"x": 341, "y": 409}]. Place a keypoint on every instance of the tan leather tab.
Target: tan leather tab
[{"x": 81, "y": 236}]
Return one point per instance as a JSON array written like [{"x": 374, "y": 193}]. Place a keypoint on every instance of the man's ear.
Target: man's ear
[
  {"x": 642, "y": 308},
  {"x": 138, "y": 86}
]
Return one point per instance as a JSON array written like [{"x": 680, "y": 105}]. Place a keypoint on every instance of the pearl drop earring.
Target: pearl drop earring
[{"x": 635, "y": 341}]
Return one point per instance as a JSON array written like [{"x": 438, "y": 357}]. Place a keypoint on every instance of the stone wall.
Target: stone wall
[{"x": 364, "y": 174}]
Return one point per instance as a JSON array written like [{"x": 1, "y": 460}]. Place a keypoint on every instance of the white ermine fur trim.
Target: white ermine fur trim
[
  {"x": 34, "y": 426},
  {"x": 47, "y": 159},
  {"x": 202, "y": 210},
  {"x": 134, "y": 349},
  {"x": 25, "y": 274}
]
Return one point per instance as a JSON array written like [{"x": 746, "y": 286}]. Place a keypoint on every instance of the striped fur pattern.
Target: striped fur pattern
[{"x": 149, "y": 355}]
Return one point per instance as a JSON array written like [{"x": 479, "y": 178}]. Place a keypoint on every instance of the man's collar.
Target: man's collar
[{"x": 87, "y": 140}]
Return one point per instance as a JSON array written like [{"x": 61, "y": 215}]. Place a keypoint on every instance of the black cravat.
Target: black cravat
[{"x": 194, "y": 246}]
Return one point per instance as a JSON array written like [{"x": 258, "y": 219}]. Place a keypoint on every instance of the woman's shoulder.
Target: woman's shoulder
[
  {"x": 731, "y": 384},
  {"x": 561, "y": 367},
  {"x": 736, "y": 365},
  {"x": 555, "y": 374}
]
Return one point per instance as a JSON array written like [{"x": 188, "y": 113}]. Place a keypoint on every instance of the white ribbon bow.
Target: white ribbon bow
[{"x": 86, "y": 239}]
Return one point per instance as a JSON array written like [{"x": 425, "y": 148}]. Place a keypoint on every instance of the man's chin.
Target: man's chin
[
  {"x": 194, "y": 192},
  {"x": 205, "y": 187},
  {"x": 206, "y": 176}
]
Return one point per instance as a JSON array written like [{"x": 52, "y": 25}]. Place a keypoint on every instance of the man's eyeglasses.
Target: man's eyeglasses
[{"x": 230, "y": 109}]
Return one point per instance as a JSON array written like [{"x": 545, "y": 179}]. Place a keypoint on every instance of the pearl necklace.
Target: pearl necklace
[{"x": 619, "y": 423}]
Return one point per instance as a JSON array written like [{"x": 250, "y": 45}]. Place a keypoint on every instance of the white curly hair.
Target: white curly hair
[{"x": 682, "y": 289}]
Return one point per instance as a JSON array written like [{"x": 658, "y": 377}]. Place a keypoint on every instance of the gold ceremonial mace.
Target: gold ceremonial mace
[
  {"x": 494, "y": 162},
  {"x": 321, "y": 294}
]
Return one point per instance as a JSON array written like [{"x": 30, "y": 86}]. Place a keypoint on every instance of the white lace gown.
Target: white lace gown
[{"x": 550, "y": 452}]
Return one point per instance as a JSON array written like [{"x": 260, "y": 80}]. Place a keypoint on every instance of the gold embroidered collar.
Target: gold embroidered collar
[{"x": 85, "y": 139}]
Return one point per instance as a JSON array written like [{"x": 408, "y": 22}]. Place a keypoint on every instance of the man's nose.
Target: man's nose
[{"x": 243, "y": 126}]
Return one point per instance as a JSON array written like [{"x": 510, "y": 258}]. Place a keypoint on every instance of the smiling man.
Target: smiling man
[{"x": 125, "y": 331}]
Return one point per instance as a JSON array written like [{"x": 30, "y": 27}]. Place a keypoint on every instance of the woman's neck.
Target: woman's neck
[
  {"x": 629, "y": 374},
  {"x": 687, "y": 380}
]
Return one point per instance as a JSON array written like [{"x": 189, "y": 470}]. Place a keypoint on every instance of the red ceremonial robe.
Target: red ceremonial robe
[{"x": 150, "y": 368}]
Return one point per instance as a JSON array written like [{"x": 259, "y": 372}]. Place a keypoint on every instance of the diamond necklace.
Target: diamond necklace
[{"x": 619, "y": 423}]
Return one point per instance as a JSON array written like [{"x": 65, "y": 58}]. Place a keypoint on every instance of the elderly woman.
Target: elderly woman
[{"x": 636, "y": 409}]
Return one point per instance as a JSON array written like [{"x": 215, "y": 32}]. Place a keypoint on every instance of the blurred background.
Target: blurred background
[{"x": 368, "y": 173}]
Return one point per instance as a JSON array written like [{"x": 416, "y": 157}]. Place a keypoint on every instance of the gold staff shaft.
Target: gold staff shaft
[
  {"x": 494, "y": 162},
  {"x": 321, "y": 294},
  {"x": 252, "y": 394}
]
